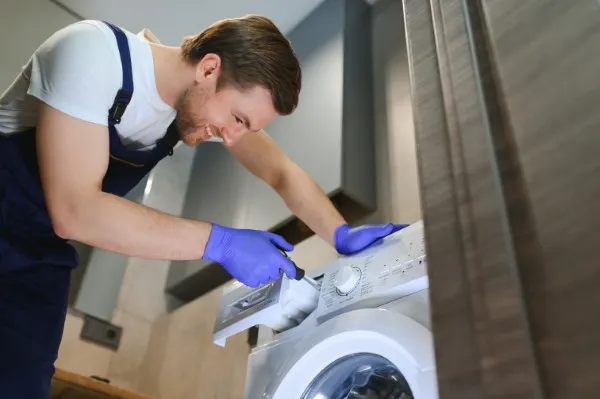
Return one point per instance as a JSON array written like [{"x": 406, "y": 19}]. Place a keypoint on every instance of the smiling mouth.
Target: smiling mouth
[{"x": 211, "y": 132}]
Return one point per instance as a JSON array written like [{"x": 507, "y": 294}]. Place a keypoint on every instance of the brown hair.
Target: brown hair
[{"x": 253, "y": 52}]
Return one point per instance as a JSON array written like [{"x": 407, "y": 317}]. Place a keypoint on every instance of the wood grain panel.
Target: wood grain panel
[
  {"x": 451, "y": 309},
  {"x": 505, "y": 97},
  {"x": 503, "y": 339},
  {"x": 547, "y": 62},
  {"x": 471, "y": 248},
  {"x": 68, "y": 385}
]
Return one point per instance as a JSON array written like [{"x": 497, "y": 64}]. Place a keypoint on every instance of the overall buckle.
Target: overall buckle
[{"x": 119, "y": 106}]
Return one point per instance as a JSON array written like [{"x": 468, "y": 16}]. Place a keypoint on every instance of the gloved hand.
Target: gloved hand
[
  {"x": 350, "y": 240},
  {"x": 251, "y": 256}
]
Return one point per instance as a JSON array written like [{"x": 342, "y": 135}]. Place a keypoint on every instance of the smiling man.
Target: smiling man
[{"x": 90, "y": 114}]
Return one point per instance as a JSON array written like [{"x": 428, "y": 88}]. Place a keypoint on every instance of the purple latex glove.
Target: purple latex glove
[
  {"x": 350, "y": 240},
  {"x": 252, "y": 257}
]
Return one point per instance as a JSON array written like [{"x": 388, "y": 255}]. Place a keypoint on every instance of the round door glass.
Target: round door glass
[{"x": 359, "y": 376}]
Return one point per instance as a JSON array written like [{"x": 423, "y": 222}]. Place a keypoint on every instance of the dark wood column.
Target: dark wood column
[{"x": 506, "y": 97}]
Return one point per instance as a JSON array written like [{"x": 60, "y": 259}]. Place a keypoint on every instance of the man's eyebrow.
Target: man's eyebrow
[{"x": 247, "y": 122}]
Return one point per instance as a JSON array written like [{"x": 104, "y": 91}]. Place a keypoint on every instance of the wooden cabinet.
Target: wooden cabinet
[
  {"x": 506, "y": 96},
  {"x": 68, "y": 385}
]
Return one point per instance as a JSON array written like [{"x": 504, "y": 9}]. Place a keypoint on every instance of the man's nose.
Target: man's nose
[{"x": 231, "y": 135}]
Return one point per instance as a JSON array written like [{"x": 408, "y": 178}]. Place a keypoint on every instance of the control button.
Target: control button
[
  {"x": 398, "y": 268},
  {"x": 347, "y": 279},
  {"x": 385, "y": 271}
]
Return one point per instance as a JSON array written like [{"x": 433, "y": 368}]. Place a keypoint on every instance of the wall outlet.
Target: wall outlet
[{"x": 101, "y": 332}]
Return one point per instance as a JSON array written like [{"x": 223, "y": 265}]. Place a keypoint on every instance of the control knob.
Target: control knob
[{"x": 347, "y": 279}]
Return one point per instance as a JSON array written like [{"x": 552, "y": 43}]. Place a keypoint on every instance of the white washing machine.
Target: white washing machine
[{"x": 362, "y": 331}]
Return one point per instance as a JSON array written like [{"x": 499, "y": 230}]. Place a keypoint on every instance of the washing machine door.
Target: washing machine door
[{"x": 367, "y": 353}]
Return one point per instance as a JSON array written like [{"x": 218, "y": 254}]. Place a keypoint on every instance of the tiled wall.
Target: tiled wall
[
  {"x": 182, "y": 361},
  {"x": 171, "y": 355}
]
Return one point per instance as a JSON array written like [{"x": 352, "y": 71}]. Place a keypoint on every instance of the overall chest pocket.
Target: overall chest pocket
[{"x": 123, "y": 175}]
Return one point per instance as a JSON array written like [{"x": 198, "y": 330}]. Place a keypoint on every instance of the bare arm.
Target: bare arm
[
  {"x": 262, "y": 157},
  {"x": 73, "y": 157}
]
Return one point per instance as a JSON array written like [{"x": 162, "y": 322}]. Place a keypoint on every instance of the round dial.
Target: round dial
[{"x": 347, "y": 279}]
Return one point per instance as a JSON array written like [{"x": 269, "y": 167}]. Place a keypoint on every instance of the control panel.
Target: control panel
[
  {"x": 387, "y": 271},
  {"x": 394, "y": 268}
]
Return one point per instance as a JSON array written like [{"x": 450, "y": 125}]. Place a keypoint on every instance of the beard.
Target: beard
[{"x": 187, "y": 120}]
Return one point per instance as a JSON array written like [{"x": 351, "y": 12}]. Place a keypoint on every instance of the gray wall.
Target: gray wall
[
  {"x": 358, "y": 149},
  {"x": 398, "y": 193},
  {"x": 398, "y": 197},
  {"x": 330, "y": 134},
  {"x": 39, "y": 18},
  {"x": 317, "y": 123}
]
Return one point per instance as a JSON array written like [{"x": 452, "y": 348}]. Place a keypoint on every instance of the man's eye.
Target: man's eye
[{"x": 238, "y": 120}]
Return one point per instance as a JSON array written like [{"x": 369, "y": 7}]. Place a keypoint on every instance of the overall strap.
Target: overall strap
[
  {"x": 124, "y": 95},
  {"x": 166, "y": 144},
  {"x": 169, "y": 140}
]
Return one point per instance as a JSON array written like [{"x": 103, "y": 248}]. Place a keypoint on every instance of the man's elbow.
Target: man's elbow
[
  {"x": 64, "y": 225},
  {"x": 66, "y": 219}
]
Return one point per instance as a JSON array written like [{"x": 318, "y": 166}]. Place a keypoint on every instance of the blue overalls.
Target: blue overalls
[{"x": 35, "y": 264}]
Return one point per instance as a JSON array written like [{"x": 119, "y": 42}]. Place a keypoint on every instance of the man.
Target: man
[{"x": 85, "y": 121}]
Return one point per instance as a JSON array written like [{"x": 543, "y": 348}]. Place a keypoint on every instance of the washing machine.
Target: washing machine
[{"x": 358, "y": 328}]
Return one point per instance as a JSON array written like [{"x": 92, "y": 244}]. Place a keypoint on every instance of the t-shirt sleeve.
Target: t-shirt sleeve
[{"x": 78, "y": 72}]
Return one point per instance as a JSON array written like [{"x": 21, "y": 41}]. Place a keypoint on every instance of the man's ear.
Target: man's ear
[{"x": 208, "y": 67}]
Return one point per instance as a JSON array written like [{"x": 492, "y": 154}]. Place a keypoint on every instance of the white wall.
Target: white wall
[{"x": 24, "y": 24}]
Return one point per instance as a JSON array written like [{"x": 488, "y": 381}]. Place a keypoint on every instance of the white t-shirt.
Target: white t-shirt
[{"x": 78, "y": 71}]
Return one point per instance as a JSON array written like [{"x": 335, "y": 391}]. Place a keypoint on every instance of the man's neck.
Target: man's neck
[{"x": 173, "y": 75}]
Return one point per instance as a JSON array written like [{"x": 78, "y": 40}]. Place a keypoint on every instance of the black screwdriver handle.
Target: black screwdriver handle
[{"x": 300, "y": 273}]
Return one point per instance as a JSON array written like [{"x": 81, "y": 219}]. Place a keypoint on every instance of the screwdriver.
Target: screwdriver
[{"x": 301, "y": 274}]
